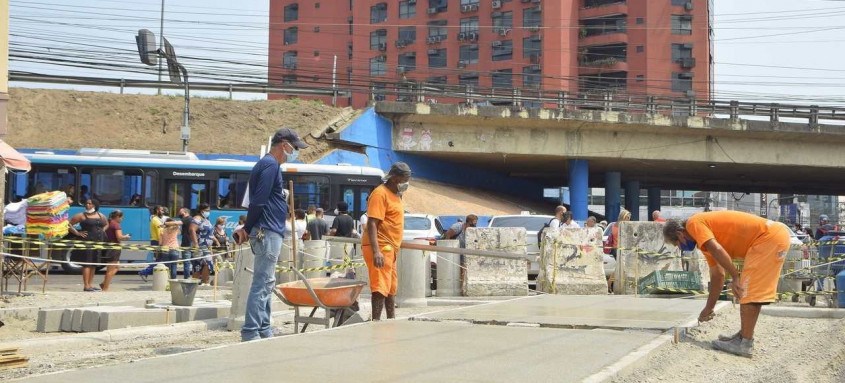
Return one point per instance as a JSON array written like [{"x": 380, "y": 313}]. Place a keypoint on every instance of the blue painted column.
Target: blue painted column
[
  {"x": 653, "y": 201},
  {"x": 612, "y": 195},
  {"x": 632, "y": 199},
  {"x": 579, "y": 188}
]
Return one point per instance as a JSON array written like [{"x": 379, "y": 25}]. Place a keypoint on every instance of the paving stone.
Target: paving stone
[
  {"x": 132, "y": 318},
  {"x": 49, "y": 320}
]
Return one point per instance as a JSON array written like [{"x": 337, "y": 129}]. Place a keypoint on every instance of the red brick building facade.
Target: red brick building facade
[{"x": 630, "y": 47}]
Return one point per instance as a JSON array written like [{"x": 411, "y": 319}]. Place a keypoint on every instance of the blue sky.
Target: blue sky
[{"x": 765, "y": 50}]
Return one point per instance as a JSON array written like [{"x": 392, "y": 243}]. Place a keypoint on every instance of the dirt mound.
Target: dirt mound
[
  {"x": 441, "y": 199},
  {"x": 63, "y": 119}
]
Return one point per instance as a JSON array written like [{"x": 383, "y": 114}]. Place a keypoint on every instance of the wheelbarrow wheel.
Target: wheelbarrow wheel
[
  {"x": 795, "y": 298},
  {"x": 812, "y": 301}
]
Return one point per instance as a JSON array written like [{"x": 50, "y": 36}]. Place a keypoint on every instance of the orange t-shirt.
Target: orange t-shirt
[
  {"x": 386, "y": 206},
  {"x": 735, "y": 231}
]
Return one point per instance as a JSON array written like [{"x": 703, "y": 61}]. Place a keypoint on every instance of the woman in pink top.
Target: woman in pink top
[
  {"x": 114, "y": 234},
  {"x": 169, "y": 240}
]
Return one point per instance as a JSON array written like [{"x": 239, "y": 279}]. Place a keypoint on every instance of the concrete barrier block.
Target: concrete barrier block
[
  {"x": 76, "y": 320},
  {"x": 91, "y": 316},
  {"x": 571, "y": 262},
  {"x": 487, "y": 276},
  {"x": 642, "y": 251},
  {"x": 132, "y": 318},
  {"x": 67, "y": 319},
  {"x": 49, "y": 320}
]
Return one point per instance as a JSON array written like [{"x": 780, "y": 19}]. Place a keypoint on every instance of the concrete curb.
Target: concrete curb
[
  {"x": 31, "y": 312},
  {"x": 637, "y": 357},
  {"x": 803, "y": 312}
]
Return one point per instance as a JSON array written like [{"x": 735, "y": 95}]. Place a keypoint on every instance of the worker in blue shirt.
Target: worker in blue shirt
[{"x": 265, "y": 228}]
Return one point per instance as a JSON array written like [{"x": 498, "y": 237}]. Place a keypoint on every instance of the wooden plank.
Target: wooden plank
[
  {"x": 20, "y": 364},
  {"x": 9, "y": 350},
  {"x": 11, "y": 358}
]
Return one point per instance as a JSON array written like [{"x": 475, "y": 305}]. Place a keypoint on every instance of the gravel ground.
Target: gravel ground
[
  {"x": 786, "y": 350},
  {"x": 66, "y": 358}
]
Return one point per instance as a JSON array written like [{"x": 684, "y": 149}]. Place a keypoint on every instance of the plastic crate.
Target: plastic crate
[{"x": 663, "y": 279}]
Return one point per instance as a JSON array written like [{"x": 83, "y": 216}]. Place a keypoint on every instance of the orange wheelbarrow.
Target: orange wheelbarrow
[{"x": 336, "y": 296}]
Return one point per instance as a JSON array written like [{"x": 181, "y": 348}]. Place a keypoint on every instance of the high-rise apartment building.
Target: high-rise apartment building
[{"x": 383, "y": 47}]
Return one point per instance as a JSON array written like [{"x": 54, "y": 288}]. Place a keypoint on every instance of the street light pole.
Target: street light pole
[{"x": 160, "y": 43}]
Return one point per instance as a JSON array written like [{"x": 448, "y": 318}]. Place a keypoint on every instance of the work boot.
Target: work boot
[
  {"x": 736, "y": 346},
  {"x": 727, "y": 337}
]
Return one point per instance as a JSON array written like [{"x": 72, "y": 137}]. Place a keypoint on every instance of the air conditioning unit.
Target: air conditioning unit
[
  {"x": 433, "y": 51},
  {"x": 411, "y": 54},
  {"x": 464, "y": 8},
  {"x": 536, "y": 1},
  {"x": 433, "y": 39},
  {"x": 504, "y": 31},
  {"x": 535, "y": 67},
  {"x": 462, "y": 36},
  {"x": 687, "y": 62},
  {"x": 412, "y": 2},
  {"x": 688, "y": 5},
  {"x": 690, "y": 93},
  {"x": 534, "y": 29},
  {"x": 497, "y": 4},
  {"x": 290, "y": 66},
  {"x": 400, "y": 43},
  {"x": 400, "y": 69},
  {"x": 497, "y": 43},
  {"x": 382, "y": 47},
  {"x": 473, "y": 7},
  {"x": 381, "y": 58},
  {"x": 526, "y": 1},
  {"x": 685, "y": 75},
  {"x": 462, "y": 63},
  {"x": 432, "y": 10},
  {"x": 472, "y": 36}
]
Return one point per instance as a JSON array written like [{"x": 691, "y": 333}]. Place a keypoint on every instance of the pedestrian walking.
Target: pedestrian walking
[
  {"x": 727, "y": 235},
  {"x": 92, "y": 226},
  {"x": 202, "y": 241},
  {"x": 383, "y": 237},
  {"x": 265, "y": 228},
  {"x": 317, "y": 227},
  {"x": 343, "y": 225},
  {"x": 114, "y": 234}
]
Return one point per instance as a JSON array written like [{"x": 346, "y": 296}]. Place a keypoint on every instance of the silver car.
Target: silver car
[{"x": 532, "y": 224}]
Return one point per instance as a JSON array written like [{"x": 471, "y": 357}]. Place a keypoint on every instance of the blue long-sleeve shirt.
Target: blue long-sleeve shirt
[{"x": 267, "y": 206}]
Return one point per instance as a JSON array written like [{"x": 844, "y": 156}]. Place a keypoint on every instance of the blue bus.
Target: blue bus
[{"x": 136, "y": 180}]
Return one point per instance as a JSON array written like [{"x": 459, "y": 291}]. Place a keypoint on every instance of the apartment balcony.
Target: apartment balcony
[
  {"x": 603, "y": 30},
  {"x": 605, "y": 39},
  {"x": 593, "y": 9},
  {"x": 604, "y": 65}
]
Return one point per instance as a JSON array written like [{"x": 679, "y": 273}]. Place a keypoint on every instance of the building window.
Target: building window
[
  {"x": 640, "y": 20},
  {"x": 640, "y": 49},
  {"x": 438, "y": 6},
  {"x": 681, "y": 82},
  {"x": 503, "y": 78},
  {"x": 681, "y": 52},
  {"x": 291, "y": 35},
  {"x": 378, "y": 39},
  {"x": 289, "y": 60},
  {"x": 502, "y": 22},
  {"x": 680, "y": 3},
  {"x": 289, "y": 79},
  {"x": 437, "y": 58},
  {"x": 640, "y": 78},
  {"x": 379, "y": 90},
  {"x": 408, "y": 35},
  {"x": 470, "y": 78},
  {"x": 531, "y": 46},
  {"x": 502, "y": 50},
  {"x": 469, "y": 2},
  {"x": 681, "y": 24},
  {"x": 292, "y": 12},
  {"x": 469, "y": 54},
  {"x": 469, "y": 25},
  {"x": 407, "y": 62},
  {"x": 600, "y": 3},
  {"x": 532, "y": 17},
  {"x": 378, "y": 66},
  {"x": 378, "y": 13},
  {"x": 437, "y": 28},
  {"x": 438, "y": 80},
  {"x": 531, "y": 76},
  {"x": 407, "y": 9}
]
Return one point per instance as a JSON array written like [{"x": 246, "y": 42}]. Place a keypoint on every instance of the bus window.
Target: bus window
[
  {"x": 151, "y": 187},
  {"x": 230, "y": 190},
  {"x": 45, "y": 179},
  {"x": 184, "y": 193},
  {"x": 112, "y": 187},
  {"x": 310, "y": 190}
]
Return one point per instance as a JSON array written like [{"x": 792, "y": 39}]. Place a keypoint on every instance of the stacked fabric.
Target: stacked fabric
[{"x": 46, "y": 214}]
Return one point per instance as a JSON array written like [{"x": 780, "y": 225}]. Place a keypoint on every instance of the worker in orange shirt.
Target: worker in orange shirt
[
  {"x": 726, "y": 235},
  {"x": 383, "y": 236}
]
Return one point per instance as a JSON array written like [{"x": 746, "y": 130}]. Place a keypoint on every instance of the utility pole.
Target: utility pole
[{"x": 160, "y": 43}]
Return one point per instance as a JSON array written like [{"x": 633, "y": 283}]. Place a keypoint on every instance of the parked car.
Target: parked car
[
  {"x": 424, "y": 227},
  {"x": 532, "y": 225}
]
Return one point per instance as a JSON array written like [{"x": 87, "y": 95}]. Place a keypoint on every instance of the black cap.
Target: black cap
[
  {"x": 342, "y": 206},
  {"x": 287, "y": 134}
]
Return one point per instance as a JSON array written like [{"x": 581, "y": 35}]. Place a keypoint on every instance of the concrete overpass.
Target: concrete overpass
[{"x": 634, "y": 148}]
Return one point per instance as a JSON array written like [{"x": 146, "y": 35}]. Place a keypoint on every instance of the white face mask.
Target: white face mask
[
  {"x": 403, "y": 187},
  {"x": 90, "y": 211},
  {"x": 205, "y": 214},
  {"x": 293, "y": 155}
]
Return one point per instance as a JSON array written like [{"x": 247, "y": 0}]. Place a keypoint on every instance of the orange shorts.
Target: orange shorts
[
  {"x": 383, "y": 280},
  {"x": 763, "y": 263}
]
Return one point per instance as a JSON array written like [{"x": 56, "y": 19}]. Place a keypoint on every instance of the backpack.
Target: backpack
[{"x": 543, "y": 229}]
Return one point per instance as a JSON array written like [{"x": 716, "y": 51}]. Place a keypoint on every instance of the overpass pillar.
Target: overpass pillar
[
  {"x": 632, "y": 199},
  {"x": 579, "y": 188},
  {"x": 653, "y": 201},
  {"x": 612, "y": 193}
]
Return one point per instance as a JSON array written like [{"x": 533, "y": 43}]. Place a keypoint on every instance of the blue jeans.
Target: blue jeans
[
  {"x": 257, "y": 319},
  {"x": 172, "y": 255},
  {"x": 156, "y": 256},
  {"x": 187, "y": 266}
]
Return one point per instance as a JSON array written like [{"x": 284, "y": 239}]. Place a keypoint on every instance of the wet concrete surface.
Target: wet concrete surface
[
  {"x": 390, "y": 351},
  {"x": 609, "y": 311}
]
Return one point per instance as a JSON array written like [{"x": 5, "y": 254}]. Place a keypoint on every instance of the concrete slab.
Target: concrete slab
[
  {"x": 417, "y": 351},
  {"x": 577, "y": 311},
  {"x": 803, "y": 312},
  {"x": 132, "y": 318},
  {"x": 49, "y": 320}
]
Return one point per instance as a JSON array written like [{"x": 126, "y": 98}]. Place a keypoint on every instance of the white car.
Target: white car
[
  {"x": 424, "y": 227},
  {"x": 532, "y": 225}
]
